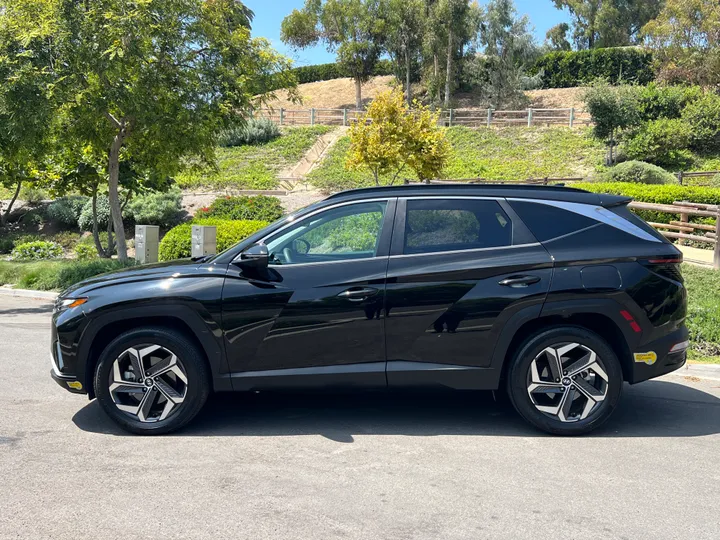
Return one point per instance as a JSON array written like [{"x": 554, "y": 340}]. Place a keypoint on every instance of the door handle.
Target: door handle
[
  {"x": 357, "y": 294},
  {"x": 517, "y": 282}
]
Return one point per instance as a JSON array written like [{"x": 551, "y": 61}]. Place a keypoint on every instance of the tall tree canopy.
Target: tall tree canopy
[
  {"x": 609, "y": 23},
  {"x": 353, "y": 29},
  {"x": 557, "y": 39},
  {"x": 151, "y": 82},
  {"x": 686, "y": 39},
  {"x": 405, "y": 27}
]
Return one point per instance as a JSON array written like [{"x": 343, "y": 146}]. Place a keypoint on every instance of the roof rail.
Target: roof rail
[{"x": 470, "y": 187}]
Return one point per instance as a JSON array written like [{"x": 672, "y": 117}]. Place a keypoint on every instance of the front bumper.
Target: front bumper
[
  {"x": 655, "y": 358},
  {"x": 71, "y": 384}
]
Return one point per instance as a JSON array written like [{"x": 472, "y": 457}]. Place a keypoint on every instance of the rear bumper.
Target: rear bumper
[{"x": 656, "y": 358}]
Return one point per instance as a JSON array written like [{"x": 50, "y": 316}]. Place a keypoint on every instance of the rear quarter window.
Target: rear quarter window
[{"x": 547, "y": 222}]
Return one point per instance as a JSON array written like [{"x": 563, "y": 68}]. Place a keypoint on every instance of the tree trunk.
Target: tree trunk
[
  {"x": 4, "y": 216},
  {"x": 408, "y": 95},
  {"x": 95, "y": 231},
  {"x": 114, "y": 174},
  {"x": 358, "y": 94},
  {"x": 449, "y": 68}
]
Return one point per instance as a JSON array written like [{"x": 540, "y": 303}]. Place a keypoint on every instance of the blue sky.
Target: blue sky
[{"x": 270, "y": 13}]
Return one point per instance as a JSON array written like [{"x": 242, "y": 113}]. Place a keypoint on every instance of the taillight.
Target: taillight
[{"x": 667, "y": 267}]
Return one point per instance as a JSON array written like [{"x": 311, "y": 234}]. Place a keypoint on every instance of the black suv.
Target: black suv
[{"x": 556, "y": 294}]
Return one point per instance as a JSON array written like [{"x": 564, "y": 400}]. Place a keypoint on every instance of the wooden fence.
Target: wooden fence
[
  {"x": 451, "y": 117},
  {"x": 683, "y": 230}
]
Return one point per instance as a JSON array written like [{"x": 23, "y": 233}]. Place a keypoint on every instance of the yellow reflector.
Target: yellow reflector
[{"x": 77, "y": 385}]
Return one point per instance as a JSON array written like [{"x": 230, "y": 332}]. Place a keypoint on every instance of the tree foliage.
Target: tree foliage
[
  {"x": 686, "y": 39},
  {"x": 608, "y": 23},
  {"x": 405, "y": 26},
  {"x": 390, "y": 137},
  {"x": 612, "y": 108},
  {"x": 556, "y": 37},
  {"x": 353, "y": 29}
]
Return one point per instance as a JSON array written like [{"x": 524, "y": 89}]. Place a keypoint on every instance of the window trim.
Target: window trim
[
  {"x": 385, "y": 231},
  {"x": 398, "y": 239}
]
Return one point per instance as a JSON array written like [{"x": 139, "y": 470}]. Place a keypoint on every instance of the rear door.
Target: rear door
[{"x": 459, "y": 269}]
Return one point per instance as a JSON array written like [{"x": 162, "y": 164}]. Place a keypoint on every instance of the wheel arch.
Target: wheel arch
[{"x": 107, "y": 328}]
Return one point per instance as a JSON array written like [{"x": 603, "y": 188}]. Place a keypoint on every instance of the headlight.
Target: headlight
[{"x": 67, "y": 303}]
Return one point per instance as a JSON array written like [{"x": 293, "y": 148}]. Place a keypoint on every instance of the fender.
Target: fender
[{"x": 207, "y": 332}]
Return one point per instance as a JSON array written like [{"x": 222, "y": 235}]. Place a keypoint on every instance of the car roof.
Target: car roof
[{"x": 521, "y": 191}]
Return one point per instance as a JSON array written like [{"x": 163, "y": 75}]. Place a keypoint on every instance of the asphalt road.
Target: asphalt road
[{"x": 422, "y": 466}]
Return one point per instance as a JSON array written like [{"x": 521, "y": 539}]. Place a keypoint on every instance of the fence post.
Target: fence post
[
  {"x": 680, "y": 177},
  {"x": 344, "y": 117},
  {"x": 282, "y": 115},
  {"x": 489, "y": 118},
  {"x": 716, "y": 253},
  {"x": 572, "y": 116},
  {"x": 683, "y": 219},
  {"x": 450, "y": 118},
  {"x": 312, "y": 117},
  {"x": 530, "y": 117}
]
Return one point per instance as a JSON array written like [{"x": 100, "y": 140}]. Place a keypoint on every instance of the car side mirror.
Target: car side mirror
[{"x": 256, "y": 256}]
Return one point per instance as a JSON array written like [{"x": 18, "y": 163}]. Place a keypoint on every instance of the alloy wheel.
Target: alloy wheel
[
  {"x": 148, "y": 383},
  {"x": 567, "y": 381}
]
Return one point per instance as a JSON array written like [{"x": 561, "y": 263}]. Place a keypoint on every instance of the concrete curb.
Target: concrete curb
[
  {"x": 28, "y": 293},
  {"x": 702, "y": 371}
]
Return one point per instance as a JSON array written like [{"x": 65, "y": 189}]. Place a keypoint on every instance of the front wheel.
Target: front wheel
[
  {"x": 151, "y": 380},
  {"x": 565, "y": 380}
]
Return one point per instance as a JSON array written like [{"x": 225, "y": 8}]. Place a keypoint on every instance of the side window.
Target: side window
[
  {"x": 342, "y": 233},
  {"x": 433, "y": 225},
  {"x": 547, "y": 222}
]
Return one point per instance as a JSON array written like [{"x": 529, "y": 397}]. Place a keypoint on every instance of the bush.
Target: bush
[
  {"x": 35, "y": 251},
  {"x": 66, "y": 239},
  {"x": 326, "y": 72},
  {"x": 6, "y": 245},
  {"x": 637, "y": 172},
  {"x": 33, "y": 195},
  {"x": 157, "y": 208},
  {"x": 663, "y": 142},
  {"x": 704, "y": 117},
  {"x": 78, "y": 271},
  {"x": 662, "y": 101},
  {"x": 255, "y": 131},
  {"x": 85, "y": 252},
  {"x": 564, "y": 69},
  {"x": 103, "y": 214},
  {"x": 658, "y": 194},
  {"x": 259, "y": 207},
  {"x": 66, "y": 210},
  {"x": 33, "y": 217},
  {"x": 176, "y": 244}
]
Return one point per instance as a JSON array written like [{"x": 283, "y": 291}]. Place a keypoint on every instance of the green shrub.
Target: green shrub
[
  {"x": 259, "y": 207},
  {"x": 33, "y": 195},
  {"x": 33, "y": 217},
  {"x": 85, "y": 252},
  {"x": 704, "y": 117},
  {"x": 663, "y": 142},
  {"x": 658, "y": 194},
  {"x": 103, "y": 214},
  {"x": 326, "y": 72},
  {"x": 157, "y": 208},
  {"x": 35, "y": 251},
  {"x": 78, "y": 271},
  {"x": 664, "y": 101},
  {"x": 6, "y": 245},
  {"x": 67, "y": 239},
  {"x": 637, "y": 172},
  {"x": 564, "y": 69},
  {"x": 176, "y": 244},
  {"x": 66, "y": 210},
  {"x": 254, "y": 131}
]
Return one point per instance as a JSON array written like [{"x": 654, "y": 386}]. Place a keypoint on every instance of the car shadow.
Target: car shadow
[
  {"x": 652, "y": 409},
  {"x": 43, "y": 308}
]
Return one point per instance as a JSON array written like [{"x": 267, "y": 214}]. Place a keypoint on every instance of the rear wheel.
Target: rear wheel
[
  {"x": 565, "y": 380},
  {"x": 151, "y": 380}
]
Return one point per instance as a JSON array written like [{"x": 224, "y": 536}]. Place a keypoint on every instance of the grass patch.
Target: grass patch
[
  {"x": 703, "y": 320},
  {"x": 509, "y": 154},
  {"x": 255, "y": 166},
  {"x": 54, "y": 275}
]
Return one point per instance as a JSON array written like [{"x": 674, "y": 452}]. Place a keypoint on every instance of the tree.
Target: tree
[
  {"x": 405, "y": 26},
  {"x": 459, "y": 23},
  {"x": 556, "y": 37},
  {"x": 686, "y": 39},
  {"x": 151, "y": 83},
  {"x": 25, "y": 109},
  {"x": 390, "y": 137},
  {"x": 612, "y": 108},
  {"x": 353, "y": 29},
  {"x": 509, "y": 47},
  {"x": 609, "y": 23}
]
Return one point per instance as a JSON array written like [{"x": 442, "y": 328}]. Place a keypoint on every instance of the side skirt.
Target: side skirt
[
  {"x": 368, "y": 375},
  {"x": 413, "y": 374}
]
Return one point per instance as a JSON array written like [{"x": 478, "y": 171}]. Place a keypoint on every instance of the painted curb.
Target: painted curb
[{"x": 28, "y": 293}]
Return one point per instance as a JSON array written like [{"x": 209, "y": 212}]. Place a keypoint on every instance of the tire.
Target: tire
[
  {"x": 549, "y": 409},
  {"x": 169, "y": 394}
]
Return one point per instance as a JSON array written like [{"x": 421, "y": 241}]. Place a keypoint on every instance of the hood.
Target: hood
[{"x": 132, "y": 274}]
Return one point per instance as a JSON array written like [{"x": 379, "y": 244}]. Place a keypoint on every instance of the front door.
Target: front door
[
  {"x": 316, "y": 317},
  {"x": 459, "y": 269}
]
